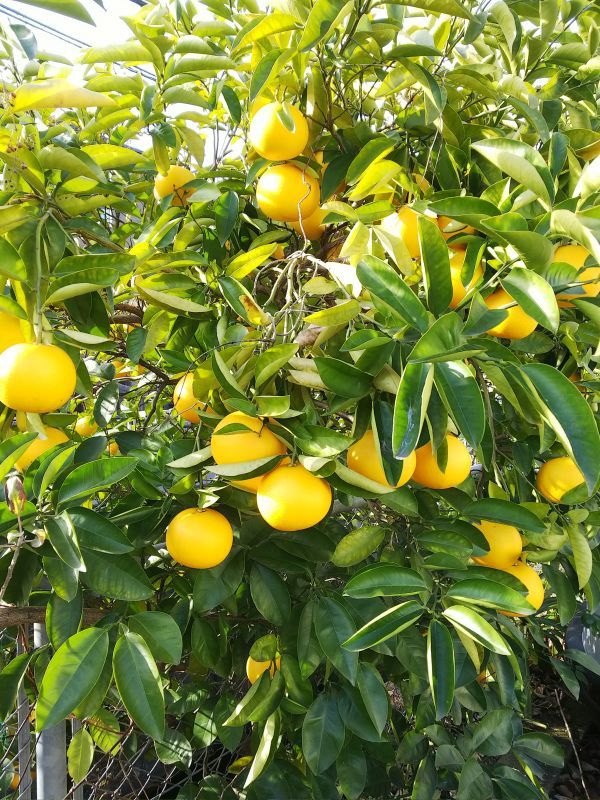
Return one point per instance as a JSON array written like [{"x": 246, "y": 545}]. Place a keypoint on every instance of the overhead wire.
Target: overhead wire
[{"x": 65, "y": 37}]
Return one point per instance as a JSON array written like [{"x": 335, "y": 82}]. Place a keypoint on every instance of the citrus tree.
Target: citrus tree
[{"x": 299, "y": 391}]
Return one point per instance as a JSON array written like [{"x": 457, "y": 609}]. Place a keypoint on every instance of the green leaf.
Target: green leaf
[
  {"x": 139, "y": 684},
  {"x": 582, "y": 554},
  {"x": 12, "y": 449},
  {"x": 357, "y": 545},
  {"x": 161, "y": 633},
  {"x": 61, "y": 535},
  {"x": 270, "y": 594},
  {"x": 504, "y": 511},
  {"x": 80, "y": 755},
  {"x": 115, "y": 575},
  {"x": 469, "y": 622},
  {"x": 174, "y": 748},
  {"x": 374, "y": 695},
  {"x": 462, "y": 397},
  {"x": 225, "y": 377},
  {"x": 226, "y": 215},
  {"x": 410, "y": 407},
  {"x": 534, "y": 295},
  {"x": 106, "y": 403},
  {"x": 570, "y": 417},
  {"x": 63, "y": 618},
  {"x": 436, "y": 265},
  {"x": 566, "y": 223},
  {"x": 86, "y": 479},
  {"x": 338, "y": 314},
  {"x": 213, "y": 586},
  {"x": 12, "y": 266},
  {"x": 266, "y": 749},
  {"x": 325, "y": 16},
  {"x": 451, "y": 7},
  {"x": 333, "y": 625},
  {"x": 386, "y": 285},
  {"x": 522, "y": 163},
  {"x": 264, "y": 71},
  {"x": 10, "y": 680},
  {"x": 342, "y": 378},
  {"x": 72, "y": 673},
  {"x": 351, "y": 766},
  {"x": 490, "y": 594},
  {"x": 385, "y": 580},
  {"x": 473, "y": 781},
  {"x": 322, "y": 733},
  {"x": 540, "y": 747},
  {"x": 271, "y": 361},
  {"x": 97, "y": 532},
  {"x": 373, "y": 151},
  {"x": 123, "y": 51},
  {"x": 68, "y": 8},
  {"x": 388, "y": 623},
  {"x": 440, "y": 667}
]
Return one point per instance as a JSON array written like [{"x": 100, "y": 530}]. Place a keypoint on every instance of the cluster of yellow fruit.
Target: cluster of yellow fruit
[
  {"x": 34, "y": 379},
  {"x": 504, "y": 554},
  {"x": 289, "y": 497},
  {"x": 421, "y": 465},
  {"x": 286, "y": 192},
  {"x": 517, "y": 324}
]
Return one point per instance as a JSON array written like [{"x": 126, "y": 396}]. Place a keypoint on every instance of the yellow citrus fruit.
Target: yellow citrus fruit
[
  {"x": 86, "y": 426},
  {"x": 576, "y": 255},
  {"x": 248, "y": 445},
  {"x": 517, "y": 324},
  {"x": 363, "y": 458},
  {"x": 113, "y": 449},
  {"x": 184, "y": 400},
  {"x": 290, "y": 498},
  {"x": 53, "y": 436},
  {"x": 10, "y": 331},
  {"x": 313, "y": 225},
  {"x": 254, "y": 669},
  {"x": 285, "y": 191},
  {"x": 459, "y": 290},
  {"x": 409, "y": 231},
  {"x": 529, "y": 577},
  {"x": 172, "y": 182},
  {"x": 505, "y": 545},
  {"x": 36, "y": 377},
  {"x": 269, "y": 136},
  {"x": 557, "y": 477},
  {"x": 451, "y": 227},
  {"x": 458, "y": 468},
  {"x": 198, "y": 538},
  {"x": 279, "y": 253}
]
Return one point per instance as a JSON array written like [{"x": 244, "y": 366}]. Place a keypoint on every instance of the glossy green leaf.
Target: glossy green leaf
[
  {"x": 384, "y": 580},
  {"x": 473, "y": 625},
  {"x": 440, "y": 667},
  {"x": 86, "y": 479},
  {"x": 410, "y": 408},
  {"x": 139, "y": 684},
  {"x": 357, "y": 545},
  {"x": 322, "y": 733},
  {"x": 390, "y": 290},
  {"x": 462, "y": 397},
  {"x": 161, "y": 633},
  {"x": 387, "y": 624},
  {"x": 80, "y": 755}
]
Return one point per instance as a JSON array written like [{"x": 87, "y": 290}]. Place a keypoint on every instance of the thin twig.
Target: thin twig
[{"x": 562, "y": 713}]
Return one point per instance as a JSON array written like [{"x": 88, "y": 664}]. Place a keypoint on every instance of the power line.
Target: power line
[{"x": 65, "y": 37}]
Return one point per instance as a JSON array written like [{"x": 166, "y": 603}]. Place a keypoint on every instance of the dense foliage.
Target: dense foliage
[{"x": 397, "y": 665}]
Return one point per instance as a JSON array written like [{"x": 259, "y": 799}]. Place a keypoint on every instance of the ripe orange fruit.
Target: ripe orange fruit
[
  {"x": 86, "y": 426},
  {"x": 53, "y": 436},
  {"x": 557, "y": 477},
  {"x": 172, "y": 182},
  {"x": 313, "y": 225},
  {"x": 576, "y": 255},
  {"x": 271, "y": 139},
  {"x": 113, "y": 449},
  {"x": 517, "y": 324},
  {"x": 409, "y": 230},
  {"x": 248, "y": 445},
  {"x": 10, "y": 331},
  {"x": 505, "y": 545},
  {"x": 363, "y": 458},
  {"x": 290, "y": 498},
  {"x": 254, "y": 669},
  {"x": 458, "y": 468},
  {"x": 184, "y": 400},
  {"x": 529, "y": 577},
  {"x": 199, "y": 538},
  {"x": 36, "y": 377},
  {"x": 285, "y": 191},
  {"x": 459, "y": 290},
  {"x": 451, "y": 227}
]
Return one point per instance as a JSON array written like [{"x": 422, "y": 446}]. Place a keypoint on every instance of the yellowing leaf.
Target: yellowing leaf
[{"x": 57, "y": 93}]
